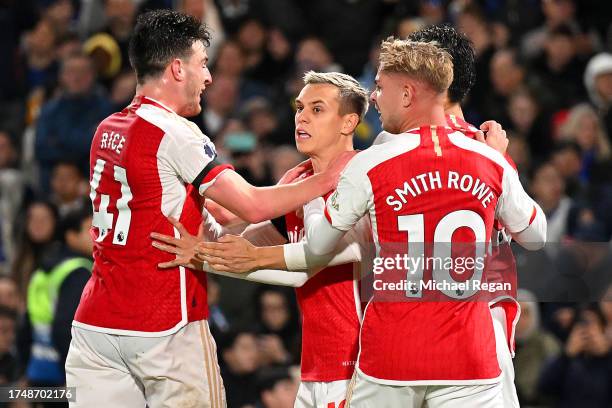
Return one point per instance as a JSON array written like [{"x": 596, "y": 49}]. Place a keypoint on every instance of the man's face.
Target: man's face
[
  {"x": 197, "y": 78},
  {"x": 387, "y": 98},
  {"x": 318, "y": 122},
  {"x": 65, "y": 182},
  {"x": 77, "y": 75},
  {"x": 282, "y": 395},
  {"x": 242, "y": 357},
  {"x": 603, "y": 84}
]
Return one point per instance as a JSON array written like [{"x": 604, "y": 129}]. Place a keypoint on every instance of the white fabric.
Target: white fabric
[
  {"x": 534, "y": 236},
  {"x": 504, "y": 358},
  {"x": 179, "y": 370},
  {"x": 184, "y": 150},
  {"x": 322, "y": 238},
  {"x": 321, "y": 394},
  {"x": 366, "y": 394},
  {"x": 269, "y": 276}
]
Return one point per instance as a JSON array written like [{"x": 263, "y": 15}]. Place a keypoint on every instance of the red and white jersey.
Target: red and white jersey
[
  {"x": 502, "y": 257},
  {"x": 147, "y": 163},
  {"x": 429, "y": 185},
  {"x": 459, "y": 124},
  {"x": 331, "y": 312}
]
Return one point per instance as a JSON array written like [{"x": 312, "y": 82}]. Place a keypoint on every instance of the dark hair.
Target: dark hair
[
  {"x": 73, "y": 220},
  {"x": 268, "y": 377},
  {"x": 565, "y": 145},
  {"x": 159, "y": 37},
  {"x": 461, "y": 51},
  {"x": 227, "y": 340}
]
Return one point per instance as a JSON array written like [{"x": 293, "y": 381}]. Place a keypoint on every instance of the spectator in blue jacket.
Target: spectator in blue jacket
[{"x": 67, "y": 123}]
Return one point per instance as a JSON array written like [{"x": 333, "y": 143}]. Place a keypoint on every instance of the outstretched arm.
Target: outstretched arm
[{"x": 256, "y": 204}]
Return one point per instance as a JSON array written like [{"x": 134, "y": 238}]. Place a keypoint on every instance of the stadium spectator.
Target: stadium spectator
[
  {"x": 219, "y": 323},
  {"x": 40, "y": 56},
  {"x": 567, "y": 158},
  {"x": 11, "y": 194},
  {"x": 54, "y": 292},
  {"x": 534, "y": 347},
  {"x": 583, "y": 127},
  {"x": 123, "y": 90},
  {"x": 37, "y": 237},
  {"x": 475, "y": 26},
  {"x": 9, "y": 366},
  {"x": 260, "y": 118},
  {"x": 559, "y": 71},
  {"x": 507, "y": 76},
  {"x": 9, "y": 295},
  {"x": 277, "y": 326},
  {"x": 277, "y": 387},
  {"x": 556, "y": 13},
  {"x": 239, "y": 353},
  {"x": 548, "y": 189},
  {"x": 581, "y": 376},
  {"x": 67, "y": 188},
  {"x": 207, "y": 12},
  {"x": 120, "y": 18},
  {"x": 598, "y": 82},
  {"x": 67, "y": 123},
  {"x": 219, "y": 105},
  {"x": 528, "y": 121}
]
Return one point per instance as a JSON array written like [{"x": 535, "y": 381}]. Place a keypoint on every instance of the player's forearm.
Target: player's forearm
[
  {"x": 270, "y": 257},
  {"x": 268, "y": 276},
  {"x": 299, "y": 256},
  {"x": 534, "y": 236},
  {"x": 322, "y": 238}
]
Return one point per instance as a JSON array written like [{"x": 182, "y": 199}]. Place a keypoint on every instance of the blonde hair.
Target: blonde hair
[
  {"x": 570, "y": 127},
  {"x": 353, "y": 97},
  {"x": 420, "y": 60}
]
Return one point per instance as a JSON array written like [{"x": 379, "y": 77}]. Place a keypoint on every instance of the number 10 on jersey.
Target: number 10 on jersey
[{"x": 102, "y": 219}]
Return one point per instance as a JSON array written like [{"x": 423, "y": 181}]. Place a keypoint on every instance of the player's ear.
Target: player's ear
[
  {"x": 349, "y": 123},
  {"x": 177, "y": 69},
  {"x": 407, "y": 95}
]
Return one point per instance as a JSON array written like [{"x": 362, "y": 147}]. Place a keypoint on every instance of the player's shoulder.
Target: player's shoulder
[
  {"x": 170, "y": 123},
  {"x": 390, "y": 147},
  {"x": 486, "y": 153}
]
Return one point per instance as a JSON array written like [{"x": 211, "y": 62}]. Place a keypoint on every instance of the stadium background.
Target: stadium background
[{"x": 544, "y": 70}]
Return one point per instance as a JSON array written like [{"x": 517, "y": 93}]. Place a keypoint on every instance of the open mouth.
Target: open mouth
[{"x": 300, "y": 134}]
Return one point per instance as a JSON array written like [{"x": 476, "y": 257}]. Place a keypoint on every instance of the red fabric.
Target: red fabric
[
  {"x": 215, "y": 172},
  {"x": 420, "y": 340},
  {"x": 330, "y": 324},
  {"x": 127, "y": 290}
]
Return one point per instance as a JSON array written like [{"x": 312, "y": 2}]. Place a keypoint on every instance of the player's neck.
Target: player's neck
[
  {"x": 424, "y": 115},
  {"x": 320, "y": 162},
  {"x": 157, "y": 91},
  {"x": 454, "y": 109}
]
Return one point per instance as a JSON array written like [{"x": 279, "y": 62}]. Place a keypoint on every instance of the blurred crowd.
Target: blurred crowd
[{"x": 544, "y": 71}]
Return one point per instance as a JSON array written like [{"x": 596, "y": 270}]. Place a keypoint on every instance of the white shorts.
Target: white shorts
[
  {"x": 321, "y": 394},
  {"x": 179, "y": 370},
  {"x": 367, "y": 394},
  {"x": 504, "y": 358}
]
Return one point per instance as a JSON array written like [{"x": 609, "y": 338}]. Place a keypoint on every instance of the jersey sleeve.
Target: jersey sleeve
[
  {"x": 345, "y": 207},
  {"x": 515, "y": 209},
  {"x": 192, "y": 155}
]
